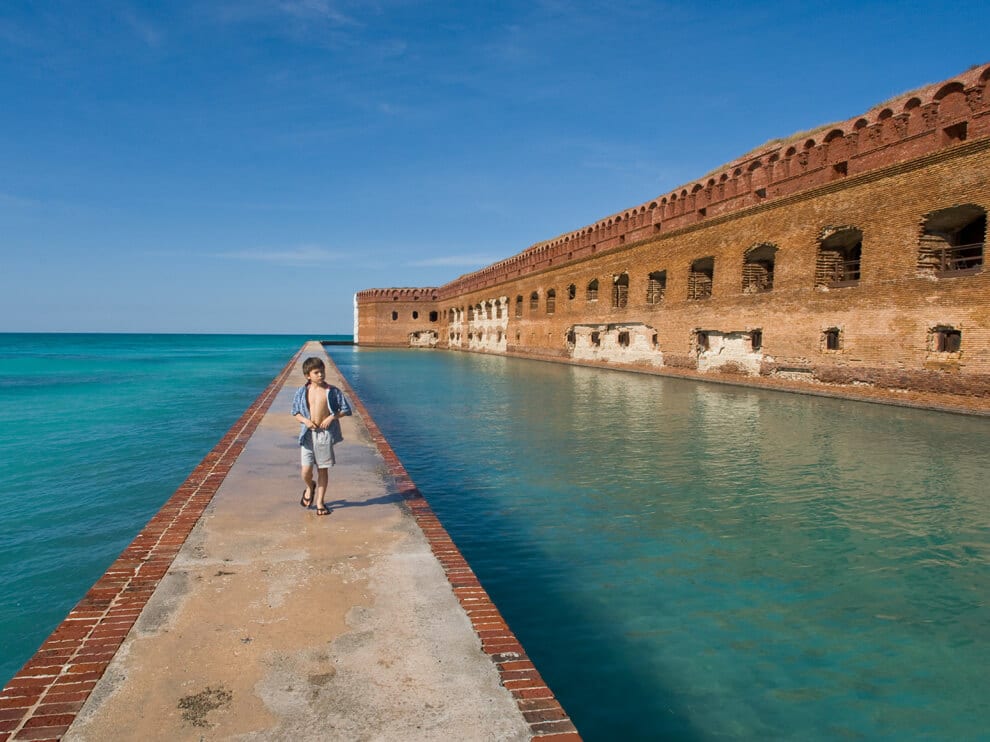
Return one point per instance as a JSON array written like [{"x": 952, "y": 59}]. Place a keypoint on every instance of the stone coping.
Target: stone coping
[{"x": 43, "y": 699}]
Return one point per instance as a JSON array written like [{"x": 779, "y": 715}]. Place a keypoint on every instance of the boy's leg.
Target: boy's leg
[
  {"x": 307, "y": 477},
  {"x": 322, "y": 477}
]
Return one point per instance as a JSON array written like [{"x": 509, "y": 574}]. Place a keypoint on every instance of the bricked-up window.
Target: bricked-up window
[
  {"x": 519, "y": 305},
  {"x": 839, "y": 253},
  {"x": 551, "y": 301},
  {"x": 596, "y": 338},
  {"x": 701, "y": 278},
  {"x": 952, "y": 241},
  {"x": 944, "y": 339},
  {"x": 656, "y": 287},
  {"x": 624, "y": 339},
  {"x": 832, "y": 339},
  {"x": 534, "y": 301},
  {"x": 757, "y": 273},
  {"x": 592, "y": 293},
  {"x": 571, "y": 291},
  {"x": 620, "y": 290}
]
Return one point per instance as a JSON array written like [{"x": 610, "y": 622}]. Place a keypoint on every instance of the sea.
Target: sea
[
  {"x": 96, "y": 432},
  {"x": 682, "y": 560}
]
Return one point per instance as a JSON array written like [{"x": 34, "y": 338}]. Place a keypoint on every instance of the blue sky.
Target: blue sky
[{"x": 246, "y": 166}]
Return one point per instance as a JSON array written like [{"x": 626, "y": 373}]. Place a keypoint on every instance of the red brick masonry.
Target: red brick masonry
[
  {"x": 547, "y": 718},
  {"x": 41, "y": 701}
]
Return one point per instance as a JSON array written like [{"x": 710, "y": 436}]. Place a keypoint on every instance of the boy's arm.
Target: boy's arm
[{"x": 305, "y": 421}]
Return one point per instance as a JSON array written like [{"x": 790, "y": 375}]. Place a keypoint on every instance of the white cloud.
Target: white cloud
[
  {"x": 294, "y": 256},
  {"x": 455, "y": 261},
  {"x": 317, "y": 9}
]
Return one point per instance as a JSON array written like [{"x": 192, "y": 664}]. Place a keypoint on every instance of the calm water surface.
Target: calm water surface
[
  {"x": 96, "y": 432},
  {"x": 696, "y": 562}
]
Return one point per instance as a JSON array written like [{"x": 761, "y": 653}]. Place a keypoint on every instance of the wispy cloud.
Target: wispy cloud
[
  {"x": 317, "y": 9},
  {"x": 142, "y": 28},
  {"x": 453, "y": 261},
  {"x": 293, "y": 256}
]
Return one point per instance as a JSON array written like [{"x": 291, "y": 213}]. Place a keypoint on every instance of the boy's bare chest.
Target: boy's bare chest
[{"x": 317, "y": 399}]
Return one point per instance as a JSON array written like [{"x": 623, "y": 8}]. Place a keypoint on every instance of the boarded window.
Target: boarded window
[
  {"x": 839, "y": 253},
  {"x": 832, "y": 339},
  {"x": 757, "y": 273},
  {"x": 952, "y": 241},
  {"x": 656, "y": 287},
  {"x": 620, "y": 290},
  {"x": 592, "y": 293},
  {"x": 945, "y": 340},
  {"x": 551, "y": 301},
  {"x": 701, "y": 278}
]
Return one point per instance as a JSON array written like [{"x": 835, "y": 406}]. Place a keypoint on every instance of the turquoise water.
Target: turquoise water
[
  {"x": 96, "y": 432},
  {"x": 692, "y": 561}
]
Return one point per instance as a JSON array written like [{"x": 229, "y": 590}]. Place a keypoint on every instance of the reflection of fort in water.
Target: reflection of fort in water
[{"x": 850, "y": 255}]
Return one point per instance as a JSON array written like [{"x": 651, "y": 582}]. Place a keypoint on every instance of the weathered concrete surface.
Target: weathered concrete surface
[{"x": 274, "y": 623}]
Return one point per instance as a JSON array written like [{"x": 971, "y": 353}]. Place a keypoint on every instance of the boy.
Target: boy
[{"x": 319, "y": 407}]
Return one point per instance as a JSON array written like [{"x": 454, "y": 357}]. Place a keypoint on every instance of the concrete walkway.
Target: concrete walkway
[{"x": 273, "y": 623}]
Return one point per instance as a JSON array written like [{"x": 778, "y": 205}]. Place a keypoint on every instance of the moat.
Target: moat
[{"x": 693, "y": 561}]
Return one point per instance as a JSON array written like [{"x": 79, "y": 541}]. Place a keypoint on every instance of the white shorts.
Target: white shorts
[{"x": 317, "y": 449}]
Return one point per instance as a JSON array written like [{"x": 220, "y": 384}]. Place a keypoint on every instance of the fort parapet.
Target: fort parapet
[{"x": 852, "y": 254}]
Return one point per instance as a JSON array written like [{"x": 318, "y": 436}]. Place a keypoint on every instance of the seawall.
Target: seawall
[{"x": 235, "y": 612}]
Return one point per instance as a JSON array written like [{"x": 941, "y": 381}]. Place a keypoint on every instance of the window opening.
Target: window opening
[
  {"x": 832, "y": 339},
  {"x": 952, "y": 241},
  {"x": 596, "y": 338},
  {"x": 624, "y": 339},
  {"x": 551, "y": 301},
  {"x": 571, "y": 337},
  {"x": 534, "y": 301},
  {"x": 946, "y": 340},
  {"x": 702, "y": 342},
  {"x": 756, "y": 339},
  {"x": 839, "y": 256},
  {"x": 757, "y": 272},
  {"x": 415, "y": 315},
  {"x": 656, "y": 287},
  {"x": 701, "y": 278},
  {"x": 519, "y": 305},
  {"x": 571, "y": 291},
  {"x": 395, "y": 316},
  {"x": 620, "y": 290},
  {"x": 592, "y": 294}
]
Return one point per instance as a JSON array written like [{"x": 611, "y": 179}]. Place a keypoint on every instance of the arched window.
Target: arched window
[
  {"x": 620, "y": 290},
  {"x": 701, "y": 278},
  {"x": 571, "y": 291},
  {"x": 839, "y": 252},
  {"x": 592, "y": 293},
  {"x": 952, "y": 241},
  {"x": 551, "y": 301},
  {"x": 757, "y": 272},
  {"x": 534, "y": 301},
  {"x": 656, "y": 287},
  {"x": 519, "y": 305}
]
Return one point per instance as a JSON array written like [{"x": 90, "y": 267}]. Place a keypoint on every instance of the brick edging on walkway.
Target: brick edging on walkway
[
  {"x": 546, "y": 717},
  {"x": 42, "y": 700}
]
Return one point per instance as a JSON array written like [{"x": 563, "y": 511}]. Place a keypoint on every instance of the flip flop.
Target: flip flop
[
  {"x": 323, "y": 511},
  {"x": 306, "y": 501}
]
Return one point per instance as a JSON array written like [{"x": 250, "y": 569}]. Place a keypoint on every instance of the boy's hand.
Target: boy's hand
[{"x": 326, "y": 422}]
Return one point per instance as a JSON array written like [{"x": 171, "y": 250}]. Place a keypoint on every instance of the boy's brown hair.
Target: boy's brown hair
[{"x": 312, "y": 363}]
